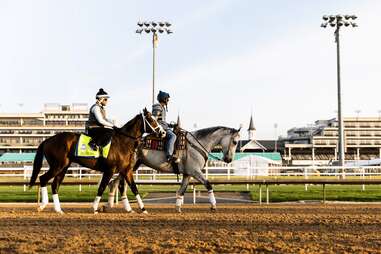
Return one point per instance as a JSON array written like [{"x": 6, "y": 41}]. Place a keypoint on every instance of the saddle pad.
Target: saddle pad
[
  {"x": 84, "y": 150},
  {"x": 154, "y": 143}
]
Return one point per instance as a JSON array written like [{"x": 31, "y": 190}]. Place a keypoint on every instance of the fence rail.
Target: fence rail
[{"x": 221, "y": 175}]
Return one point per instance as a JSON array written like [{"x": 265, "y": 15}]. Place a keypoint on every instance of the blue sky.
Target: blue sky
[{"x": 224, "y": 60}]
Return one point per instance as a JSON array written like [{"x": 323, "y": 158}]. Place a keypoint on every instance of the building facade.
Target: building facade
[
  {"x": 317, "y": 144},
  {"x": 23, "y": 132}
]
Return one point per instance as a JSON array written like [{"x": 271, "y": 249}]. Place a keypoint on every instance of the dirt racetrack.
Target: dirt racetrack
[{"x": 291, "y": 228}]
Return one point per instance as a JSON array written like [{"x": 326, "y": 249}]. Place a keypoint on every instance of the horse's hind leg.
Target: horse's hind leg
[
  {"x": 131, "y": 182},
  {"x": 180, "y": 193},
  {"x": 113, "y": 185},
  {"x": 105, "y": 180},
  {"x": 55, "y": 186},
  {"x": 44, "y": 179},
  {"x": 123, "y": 195},
  {"x": 199, "y": 177}
]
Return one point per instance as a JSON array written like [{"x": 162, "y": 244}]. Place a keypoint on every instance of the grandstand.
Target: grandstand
[
  {"x": 23, "y": 132},
  {"x": 317, "y": 144}
]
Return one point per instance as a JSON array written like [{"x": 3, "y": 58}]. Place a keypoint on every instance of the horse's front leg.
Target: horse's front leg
[
  {"x": 131, "y": 182},
  {"x": 105, "y": 180},
  {"x": 113, "y": 184},
  {"x": 180, "y": 193},
  {"x": 200, "y": 177}
]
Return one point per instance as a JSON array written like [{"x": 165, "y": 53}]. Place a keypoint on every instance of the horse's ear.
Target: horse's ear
[{"x": 145, "y": 111}]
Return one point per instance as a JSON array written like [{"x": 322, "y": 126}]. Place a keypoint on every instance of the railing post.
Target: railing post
[
  {"x": 305, "y": 177},
  {"x": 260, "y": 194},
  {"x": 117, "y": 194},
  {"x": 324, "y": 194},
  {"x": 194, "y": 194},
  {"x": 80, "y": 178},
  {"x": 206, "y": 172},
  {"x": 267, "y": 194},
  {"x": 38, "y": 195},
  {"x": 363, "y": 177}
]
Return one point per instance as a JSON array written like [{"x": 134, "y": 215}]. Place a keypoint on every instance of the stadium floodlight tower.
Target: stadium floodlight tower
[
  {"x": 155, "y": 28},
  {"x": 337, "y": 22}
]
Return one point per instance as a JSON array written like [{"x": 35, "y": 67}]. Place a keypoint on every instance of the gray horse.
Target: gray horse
[{"x": 192, "y": 160}]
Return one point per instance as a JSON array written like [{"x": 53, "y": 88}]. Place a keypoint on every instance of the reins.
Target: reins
[
  {"x": 145, "y": 123},
  {"x": 204, "y": 152}
]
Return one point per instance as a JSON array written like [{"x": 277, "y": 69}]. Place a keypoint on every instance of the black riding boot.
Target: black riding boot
[{"x": 93, "y": 145}]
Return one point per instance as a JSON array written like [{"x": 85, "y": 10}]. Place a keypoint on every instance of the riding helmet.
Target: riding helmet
[
  {"x": 102, "y": 94},
  {"x": 162, "y": 96}
]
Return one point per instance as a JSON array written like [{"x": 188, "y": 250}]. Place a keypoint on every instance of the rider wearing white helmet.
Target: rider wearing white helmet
[{"x": 99, "y": 128}]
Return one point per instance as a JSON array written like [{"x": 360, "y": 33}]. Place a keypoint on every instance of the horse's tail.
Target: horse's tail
[{"x": 37, "y": 164}]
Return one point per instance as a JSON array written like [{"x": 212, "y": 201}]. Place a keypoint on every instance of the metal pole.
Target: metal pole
[
  {"x": 340, "y": 118},
  {"x": 154, "y": 39}
]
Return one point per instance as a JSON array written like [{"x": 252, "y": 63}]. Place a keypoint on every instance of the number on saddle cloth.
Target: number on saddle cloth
[{"x": 83, "y": 148}]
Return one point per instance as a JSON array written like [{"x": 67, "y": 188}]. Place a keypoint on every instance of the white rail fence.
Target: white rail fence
[{"x": 221, "y": 172}]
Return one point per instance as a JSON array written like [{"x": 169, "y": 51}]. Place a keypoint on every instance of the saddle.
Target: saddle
[
  {"x": 83, "y": 148},
  {"x": 152, "y": 142}
]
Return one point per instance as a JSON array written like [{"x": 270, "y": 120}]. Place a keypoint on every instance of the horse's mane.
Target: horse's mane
[
  {"x": 204, "y": 132},
  {"x": 130, "y": 123}
]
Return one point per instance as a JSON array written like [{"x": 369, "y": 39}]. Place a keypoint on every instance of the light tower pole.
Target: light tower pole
[
  {"x": 338, "y": 21},
  {"x": 154, "y": 28}
]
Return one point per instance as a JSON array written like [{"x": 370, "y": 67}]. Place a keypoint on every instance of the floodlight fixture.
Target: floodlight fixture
[
  {"x": 153, "y": 27},
  {"x": 338, "y": 21}
]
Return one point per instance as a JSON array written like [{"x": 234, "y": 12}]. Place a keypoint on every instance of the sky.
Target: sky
[{"x": 225, "y": 61}]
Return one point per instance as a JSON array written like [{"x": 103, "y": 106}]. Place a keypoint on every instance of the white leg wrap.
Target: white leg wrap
[
  {"x": 140, "y": 202},
  {"x": 212, "y": 199},
  {"x": 96, "y": 202},
  {"x": 111, "y": 200},
  {"x": 44, "y": 196},
  {"x": 179, "y": 200},
  {"x": 57, "y": 205},
  {"x": 126, "y": 204}
]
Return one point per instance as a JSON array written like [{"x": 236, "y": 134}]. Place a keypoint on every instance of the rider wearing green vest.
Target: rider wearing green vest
[{"x": 98, "y": 127}]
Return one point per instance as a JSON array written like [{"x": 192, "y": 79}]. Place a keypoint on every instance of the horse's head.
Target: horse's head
[
  {"x": 229, "y": 144},
  {"x": 151, "y": 125}
]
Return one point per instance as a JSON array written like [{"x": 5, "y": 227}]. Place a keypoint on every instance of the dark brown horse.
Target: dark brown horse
[{"x": 59, "y": 151}]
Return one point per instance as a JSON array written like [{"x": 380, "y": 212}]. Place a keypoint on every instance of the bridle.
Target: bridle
[
  {"x": 156, "y": 129},
  {"x": 145, "y": 123}
]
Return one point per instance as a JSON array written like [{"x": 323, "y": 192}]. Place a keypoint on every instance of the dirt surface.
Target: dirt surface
[{"x": 291, "y": 228}]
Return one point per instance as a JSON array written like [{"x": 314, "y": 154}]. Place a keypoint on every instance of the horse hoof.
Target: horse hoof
[
  {"x": 130, "y": 211},
  {"x": 103, "y": 209},
  {"x": 60, "y": 212},
  {"x": 213, "y": 209},
  {"x": 144, "y": 212},
  {"x": 40, "y": 208},
  {"x": 178, "y": 209},
  {"x": 96, "y": 212}
]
